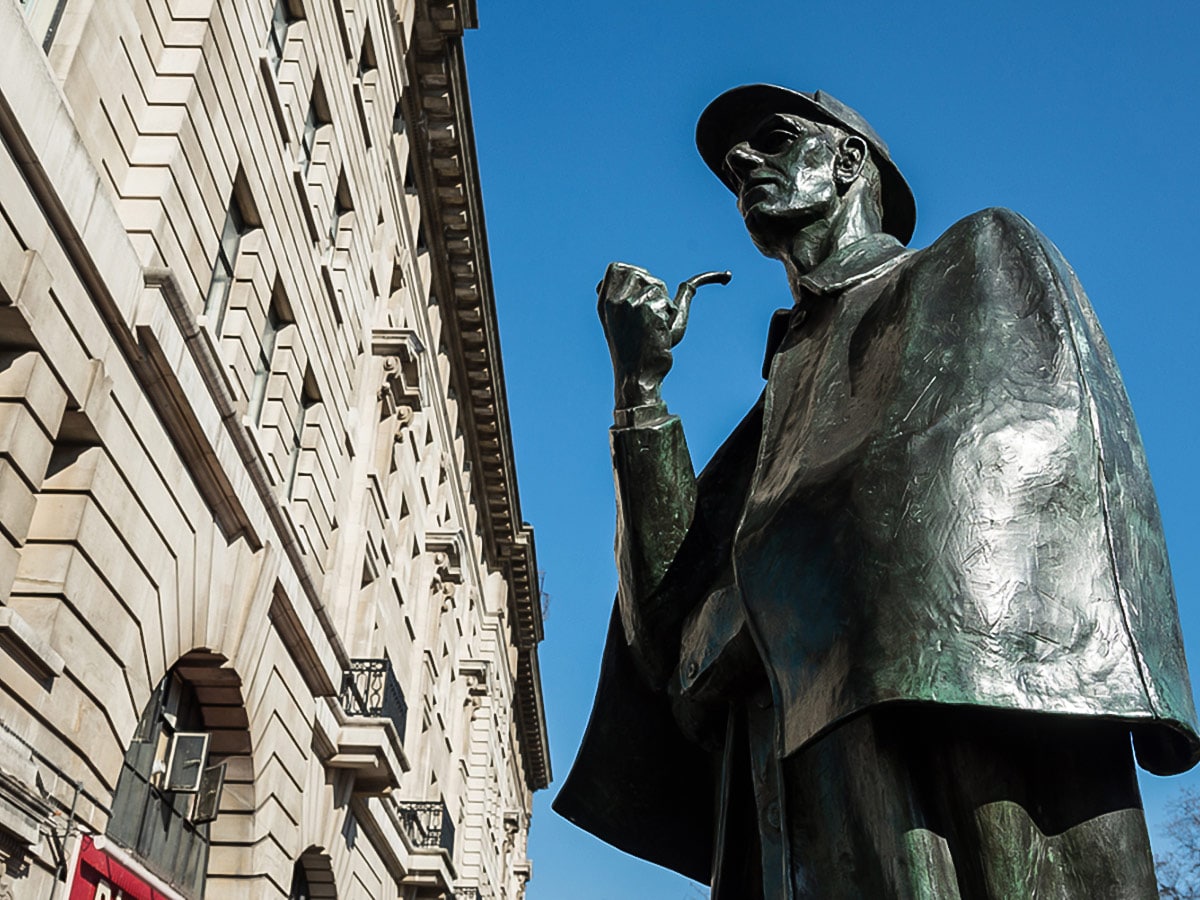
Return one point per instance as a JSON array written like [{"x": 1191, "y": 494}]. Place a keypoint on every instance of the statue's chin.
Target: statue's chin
[{"x": 774, "y": 233}]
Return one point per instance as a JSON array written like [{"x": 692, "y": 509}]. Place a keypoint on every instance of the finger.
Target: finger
[{"x": 613, "y": 273}]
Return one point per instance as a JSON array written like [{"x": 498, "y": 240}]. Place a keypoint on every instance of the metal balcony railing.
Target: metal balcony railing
[
  {"x": 427, "y": 824},
  {"x": 370, "y": 688}
]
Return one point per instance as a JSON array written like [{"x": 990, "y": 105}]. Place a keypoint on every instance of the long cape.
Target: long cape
[{"x": 949, "y": 503}]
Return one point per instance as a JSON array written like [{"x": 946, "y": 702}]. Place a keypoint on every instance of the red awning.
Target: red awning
[{"x": 95, "y": 866}]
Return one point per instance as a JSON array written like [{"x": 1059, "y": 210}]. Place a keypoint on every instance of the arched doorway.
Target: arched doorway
[{"x": 312, "y": 877}]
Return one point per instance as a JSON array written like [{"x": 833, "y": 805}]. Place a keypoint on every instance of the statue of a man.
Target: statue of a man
[{"x": 894, "y": 640}]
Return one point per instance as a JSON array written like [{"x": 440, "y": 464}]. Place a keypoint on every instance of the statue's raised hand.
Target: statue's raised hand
[{"x": 642, "y": 323}]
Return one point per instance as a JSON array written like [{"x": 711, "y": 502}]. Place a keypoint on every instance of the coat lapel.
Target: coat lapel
[{"x": 813, "y": 416}]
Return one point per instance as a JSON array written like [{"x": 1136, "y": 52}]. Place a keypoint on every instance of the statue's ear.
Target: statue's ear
[{"x": 852, "y": 155}]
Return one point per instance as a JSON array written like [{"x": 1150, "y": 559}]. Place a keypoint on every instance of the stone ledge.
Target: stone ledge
[
  {"x": 367, "y": 746},
  {"x": 22, "y": 642}
]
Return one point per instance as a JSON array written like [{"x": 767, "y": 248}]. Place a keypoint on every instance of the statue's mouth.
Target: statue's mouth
[{"x": 757, "y": 190}]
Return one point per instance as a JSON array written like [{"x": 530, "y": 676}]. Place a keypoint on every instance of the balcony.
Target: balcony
[
  {"x": 363, "y": 729},
  {"x": 428, "y": 833},
  {"x": 427, "y": 824},
  {"x": 370, "y": 688}
]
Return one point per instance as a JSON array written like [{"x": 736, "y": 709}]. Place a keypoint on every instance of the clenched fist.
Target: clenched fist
[{"x": 642, "y": 322}]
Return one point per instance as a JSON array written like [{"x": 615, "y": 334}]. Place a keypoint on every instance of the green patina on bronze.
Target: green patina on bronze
[{"x": 893, "y": 641}]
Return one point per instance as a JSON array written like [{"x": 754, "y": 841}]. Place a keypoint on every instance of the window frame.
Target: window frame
[
  {"x": 220, "y": 283},
  {"x": 273, "y": 324},
  {"x": 316, "y": 118},
  {"x": 309, "y": 399},
  {"x": 308, "y": 137}
]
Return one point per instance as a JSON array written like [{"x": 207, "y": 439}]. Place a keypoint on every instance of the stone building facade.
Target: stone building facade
[{"x": 269, "y": 613}]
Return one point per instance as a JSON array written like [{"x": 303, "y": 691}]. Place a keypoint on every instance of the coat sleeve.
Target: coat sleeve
[{"x": 656, "y": 497}]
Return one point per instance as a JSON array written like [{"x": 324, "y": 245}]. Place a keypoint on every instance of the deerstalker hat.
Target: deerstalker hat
[{"x": 733, "y": 116}]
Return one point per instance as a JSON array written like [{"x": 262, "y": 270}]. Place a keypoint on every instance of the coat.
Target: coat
[{"x": 941, "y": 498}]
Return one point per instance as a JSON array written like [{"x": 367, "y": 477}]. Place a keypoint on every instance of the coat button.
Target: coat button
[{"x": 773, "y": 814}]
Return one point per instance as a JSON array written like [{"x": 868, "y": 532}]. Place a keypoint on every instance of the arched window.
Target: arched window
[{"x": 167, "y": 792}]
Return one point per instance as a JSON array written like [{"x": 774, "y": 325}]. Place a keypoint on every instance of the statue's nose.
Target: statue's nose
[{"x": 741, "y": 160}]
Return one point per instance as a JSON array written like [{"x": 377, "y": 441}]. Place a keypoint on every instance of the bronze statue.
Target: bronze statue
[{"x": 894, "y": 640}]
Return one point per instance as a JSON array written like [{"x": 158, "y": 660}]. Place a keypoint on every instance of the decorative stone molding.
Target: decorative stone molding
[
  {"x": 401, "y": 388},
  {"x": 523, "y": 870},
  {"x": 449, "y": 182},
  {"x": 156, "y": 365},
  {"x": 446, "y": 547},
  {"x": 477, "y": 674}
]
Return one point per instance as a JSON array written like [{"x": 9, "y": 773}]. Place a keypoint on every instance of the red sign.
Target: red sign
[{"x": 100, "y": 876}]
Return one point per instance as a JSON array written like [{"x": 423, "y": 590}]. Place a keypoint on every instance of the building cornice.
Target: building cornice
[{"x": 445, "y": 161}]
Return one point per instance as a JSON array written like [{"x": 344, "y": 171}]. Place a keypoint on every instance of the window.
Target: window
[
  {"x": 366, "y": 57},
  {"x": 308, "y": 137},
  {"x": 294, "y": 455},
  {"x": 154, "y": 811},
  {"x": 342, "y": 206},
  {"x": 318, "y": 115},
  {"x": 276, "y": 320},
  {"x": 186, "y": 755},
  {"x": 262, "y": 368},
  {"x": 339, "y": 210},
  {"x": 222, "y": 273},
  {"x": 309, "y": 398},
  {"x": 281, "y": 19},
  {"x": 410, "y": 181},
  {"x": 312, "y": 876}
]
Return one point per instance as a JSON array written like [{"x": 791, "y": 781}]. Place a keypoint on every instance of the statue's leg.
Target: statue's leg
[
  {"x": 938, "y": 803},
  {"x": 737, "y": 855},
  {"x": 856, "y": 823},
  {"x": 766, "y": 777},
  {"x": 1043, "y": 806}
]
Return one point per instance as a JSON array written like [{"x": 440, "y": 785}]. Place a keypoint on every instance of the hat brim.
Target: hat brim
[{"x": 732, "y": 117}]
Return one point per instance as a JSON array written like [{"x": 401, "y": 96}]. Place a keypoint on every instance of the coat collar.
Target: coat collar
[{"x": 865, "y": 258}]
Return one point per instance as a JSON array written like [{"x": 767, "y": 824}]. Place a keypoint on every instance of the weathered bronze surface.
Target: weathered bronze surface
[{"x": 894, "y": 640}]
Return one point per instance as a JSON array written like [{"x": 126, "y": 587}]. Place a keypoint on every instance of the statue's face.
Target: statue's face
[{"x": 786, "y": 174}]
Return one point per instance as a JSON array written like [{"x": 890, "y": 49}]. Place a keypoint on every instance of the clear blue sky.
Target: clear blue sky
[{"x": 1081, "y": 115}]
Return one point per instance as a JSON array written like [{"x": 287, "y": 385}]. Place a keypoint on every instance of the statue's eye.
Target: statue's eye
[{"x": 774, "y": 141}]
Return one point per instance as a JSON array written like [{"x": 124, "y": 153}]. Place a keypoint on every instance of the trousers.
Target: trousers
[{"x": 927, "y": 802}]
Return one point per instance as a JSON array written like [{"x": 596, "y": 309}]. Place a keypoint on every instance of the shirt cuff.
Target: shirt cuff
[{"x": 640, "y": 416}]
